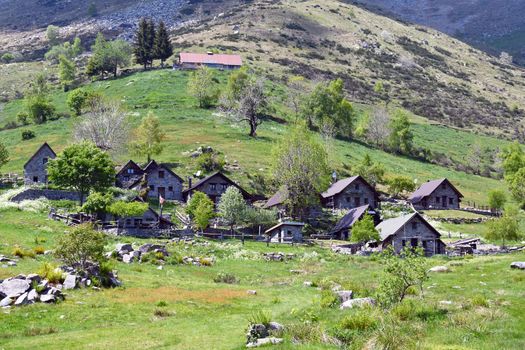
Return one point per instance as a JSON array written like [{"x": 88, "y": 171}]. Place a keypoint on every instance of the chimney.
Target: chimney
[
  {"x": 189, "y": 181},
  {"x": 334, "y": 177}
]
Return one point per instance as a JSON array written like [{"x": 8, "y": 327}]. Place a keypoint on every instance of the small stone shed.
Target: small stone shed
[{"x": 286, "y": 232}]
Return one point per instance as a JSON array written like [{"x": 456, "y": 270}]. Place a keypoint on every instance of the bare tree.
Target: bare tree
[
  {"x": 378, "y": 128},
  {"x": 106, "y": 125},
  {"x": 250, "y": 105}
]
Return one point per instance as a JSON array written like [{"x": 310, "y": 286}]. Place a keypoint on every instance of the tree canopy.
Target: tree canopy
[
  {"x": 162, "y": 47},
  {"x": 401, "y": 136},
  {"x": 108, "y": 56},
  {"x": 203, "y": 87},
  {"x": 364, "y": 230},
  {"x": 148, "y": 137},
  {"x": 232, "y": 207},
  {"x": 82, "y": 167},
  {"x": 506, "y": 228}
]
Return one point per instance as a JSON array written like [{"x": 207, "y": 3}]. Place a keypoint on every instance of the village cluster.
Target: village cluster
[{"x": 353, "y": 195}]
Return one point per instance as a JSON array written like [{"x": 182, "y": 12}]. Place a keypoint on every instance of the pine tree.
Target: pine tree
[
  {"x": 140, "y": 50},
  {"x": 150, "y": 41},
  {"x": 163, "y": 49}
]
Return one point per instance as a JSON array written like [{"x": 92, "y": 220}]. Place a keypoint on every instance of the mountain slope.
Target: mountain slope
[
  {"x": 425, "y": 71},
  {"x": 495, "y": 25}
]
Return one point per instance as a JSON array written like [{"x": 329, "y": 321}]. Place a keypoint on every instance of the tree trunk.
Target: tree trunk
[
  {"x": 115, "y": 72},
  {"x": 253, "y": 129}
]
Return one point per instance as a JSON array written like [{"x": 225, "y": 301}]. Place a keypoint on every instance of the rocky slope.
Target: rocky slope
[{"x": 494, "y": 25}]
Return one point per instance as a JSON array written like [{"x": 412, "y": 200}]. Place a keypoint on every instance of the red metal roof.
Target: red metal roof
[{"x": 203, "y": 58}]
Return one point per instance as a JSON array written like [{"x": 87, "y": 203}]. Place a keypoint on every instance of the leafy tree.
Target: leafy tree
[
  {"x": 202, "y": 86},
  {"x": 76, "y": 100},
  {"x": 371, "y": 171},
  {"x": 82, "y": 167},
  {"x": 38, "y": 104},
  {"x": 66, "y": 72},
  {"x": 143, "y": 47},
  {"x": 401, "y": 137},
  {"x": 52, "y": 34},
  {"x": 377, "y": 129},
  {"x": 232, "y": 207},
  {"x": 7, "y": 57},
  {"x": 148, "y": 137},
  {"x": 97, "y": 203},
  {"x": 67, "y": 49},
  {"x": 400, "y": 273},
  {"x": 300, "y": 166},
  {"x": 364, "y": 230},
  {"x": 399, "y": 184},
  {"x": 516, "y": 184},
  {"x": 505, "y": 228},
  {"x": 108, "y": 56},
  {"x": 22, "y": 118},
  {"x": 248, "y": 102},
  {"x": 4, "y": 155},
  {"x": 237, "y": 82},
  {"x": 200, "y": 209},
  {"x": 81, "y": 245},
  {"x": 162, "y": 45},
  {"x": 497, "y": 199},
  {"x": 125, "y": 209},
  {"x": 513, "y": 159},
  {"x": 327, "y": 101}
]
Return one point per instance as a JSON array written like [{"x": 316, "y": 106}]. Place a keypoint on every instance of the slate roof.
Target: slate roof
[
  {"x": 207, "y": 178},
  {"x": 125, "y": 166},
  {"x": 340, "y": 186},
  {"x": 350, "y": 218},
  {"x": 207, "y": 58},
  {"x": 391, "y": 226},
  {"x": 44, "y": 145},
  {"x": 428, "y": 188},
  {"x": 278, "y": 198},
  {"x": 285, "y": 223},
  {"x": 152, "y": 165}
]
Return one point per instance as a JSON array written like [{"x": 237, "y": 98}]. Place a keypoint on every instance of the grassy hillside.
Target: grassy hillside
[
  {"x": 181, "y": 307},
  {"x": 428, "y": 72},
  {"x": 188, "y": 127}
]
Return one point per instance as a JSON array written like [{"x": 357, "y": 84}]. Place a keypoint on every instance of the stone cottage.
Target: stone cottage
[
  {"x": 349, "y": 193},
  {"x": 286, "y": 232},
  {"x": 436, "y": 194},
  {"x": 342, "y": 230},
  {"x": 158, "y": 178},
  {"x": 129, "y": 174},
  {"x": 214, "y": 186},
  {"x": 410, "y": 230},
  {"x": 35, "y": 170}
]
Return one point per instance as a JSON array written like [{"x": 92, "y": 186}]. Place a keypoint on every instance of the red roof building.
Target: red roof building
[{"x": 195, "y": 60}]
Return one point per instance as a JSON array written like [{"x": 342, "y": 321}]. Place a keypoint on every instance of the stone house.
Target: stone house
[
  {"x": 35, "y": 169},
  {"x": 343, "y": 229},
  {"x": 149, "y": 220},
  {"x": 436, "y": 194},
  {"x": 410, "y": 230},
  {"x": 129, "y": 174},
  {"x": 214, "y": 186},
  {"x": 349, "y": 193},
  {"x": 158, "y": 178},
  {"x": 286, "y": 232}
]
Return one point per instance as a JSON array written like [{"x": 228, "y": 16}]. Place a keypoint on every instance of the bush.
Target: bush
[
  {"x": 162, "y": 313},
  {"x": 361, "y": 320},
  {"x": 28, "y": 135},
  {"x": 225, "y": 278},
  {"x": 81, "y": 245},
  {"x": 7, "y": 57},
  {"x": 260, "y": 317},
  {"x": 480, "y": 301},
  {"x": 329, "y": 299},
  {"x": 209, "y": 162},
  {"x": 162, "y": 303},
  {"x": 22, "y": 253},
  {"x": 411, "y": 309},
  {"x": 22, "y": 118},
  {"x": 51, "y": 273},
  {"x": 39, "y": 250},
  {"x": 40, "y": 110}
]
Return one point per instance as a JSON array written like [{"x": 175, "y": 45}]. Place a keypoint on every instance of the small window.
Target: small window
[
  {"x": 403, "y": 242},
  {"x": 213, "y": 187},
  {"x": 357, "y": 201},
  {"x": 366, "y": 200},
  {"x": 437, "y": 200},
  {"x": 289, "y": 233},
  {"x": 44, "y": 161},
  {"x": 152, "y": 187},
  {"x": 348, "y": 199},
  {"x": 357, "y": 186},
  {"x": 444, "y": 186},
  {"x": 414, "y": 225},
  {"x": 424, "y": 243},
  {"x": 170, "y": 188},
  {"x": 131, "y": 171},
  {"x": 224, "y": 187},
  {"x": 161, "y": 174},
  {"x": 451, "y": 200},
  {"x": 35, "y": 178}
]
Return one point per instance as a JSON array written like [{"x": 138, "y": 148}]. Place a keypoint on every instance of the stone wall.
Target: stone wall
[
  {"x": 355, "y": 195},
  {"x": 35, "y": 193},
  {"x": 35, "y": 172}
]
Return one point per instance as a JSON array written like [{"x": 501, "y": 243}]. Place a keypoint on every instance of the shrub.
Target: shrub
[
  {"x": 40, "y": 110},
  {"x": 260, "y": 317},
  {"x": 22, "y": 118},
  {"x": 329, "y": 299},
  {"x": 162, "y": 313},
  {"x": 175, "y": 259},
  {"x": 22, "y": 253},
  {"x": 51, "y": 273},
  {"x": 7, "y": 57},
  {"x": 81, "y": 245},
  {"x": 162, "y": 303},
  {"x": 39, "y": 250},
  {"x": 225, "y": 278},
  {"x": 361, "y": 320},
  {"x": 390, "y": 335},
  {"x": 28, "y": 135},
  {"x": 479, "y": 300},
  {"x": 411, "y": 309},
  {"x": 209, "y": 162}
]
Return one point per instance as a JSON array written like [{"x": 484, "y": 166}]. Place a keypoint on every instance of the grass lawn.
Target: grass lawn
[
  {"x": 202, "y": 314},
  {"x": 188, "y": 127}
]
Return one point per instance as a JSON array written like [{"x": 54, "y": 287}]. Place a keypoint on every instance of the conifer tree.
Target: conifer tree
[
  {"x": 142, "y": 48},
  {"x": 162, "y": 48}
]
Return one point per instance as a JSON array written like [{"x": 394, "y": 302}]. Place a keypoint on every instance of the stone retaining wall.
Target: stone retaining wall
[{"x": 35, "y": 193}]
